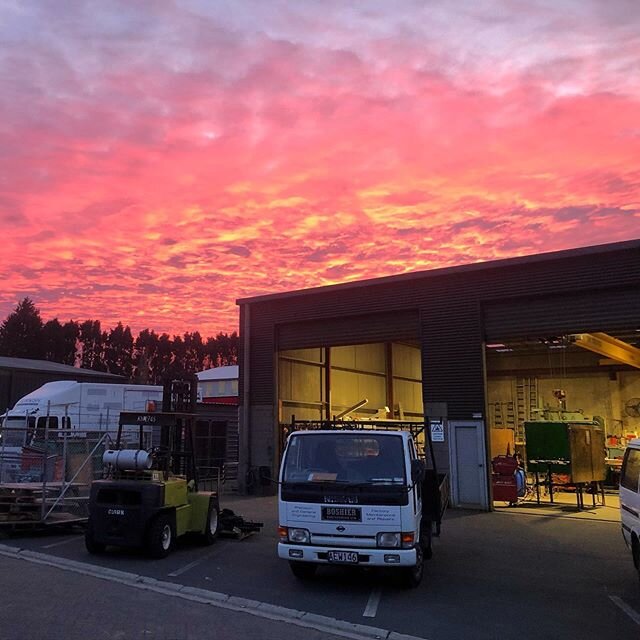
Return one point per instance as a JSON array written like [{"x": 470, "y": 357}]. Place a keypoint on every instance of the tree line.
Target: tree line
[{"x": 149, "y": 358}]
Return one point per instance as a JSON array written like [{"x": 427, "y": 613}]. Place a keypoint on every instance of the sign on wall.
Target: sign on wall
[{"x": 437, "y": 430}]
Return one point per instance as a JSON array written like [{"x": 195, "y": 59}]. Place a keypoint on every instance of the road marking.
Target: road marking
[
  {"x": 630, "y": 611},
  {"x": 372, "y": 606},
  {"x": 60, "y": 543},
  {"x": 305, "y": 619},
  {"x": 187, "y": 567}
]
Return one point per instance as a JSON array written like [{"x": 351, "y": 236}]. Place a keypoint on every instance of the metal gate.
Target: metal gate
[{"x": 45, "y": 474}]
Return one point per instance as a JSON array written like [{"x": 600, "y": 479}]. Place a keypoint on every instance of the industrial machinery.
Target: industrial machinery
[
  {"x": 567, "y": 449},
  {"x": 507, "y": 479},
  {"x": 151, "y": 496}
]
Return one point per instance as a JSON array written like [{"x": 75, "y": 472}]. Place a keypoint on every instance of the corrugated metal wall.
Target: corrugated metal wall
[
  {"x": 230, "y": 415},
  {"x": 609, "y": 309},
  {"x": 349, "y": 330}
]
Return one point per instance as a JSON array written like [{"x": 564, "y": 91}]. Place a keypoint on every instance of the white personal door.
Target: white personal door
[{"x": 468, "y": 464}]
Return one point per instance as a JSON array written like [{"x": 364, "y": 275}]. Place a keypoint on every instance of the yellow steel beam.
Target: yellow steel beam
[{"x": 608, "y": 346}]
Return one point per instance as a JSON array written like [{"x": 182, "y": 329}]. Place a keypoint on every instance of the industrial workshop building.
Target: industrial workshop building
[{"x": 486, "y": 348}]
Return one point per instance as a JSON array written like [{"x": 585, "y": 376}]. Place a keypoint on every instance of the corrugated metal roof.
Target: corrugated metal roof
[
  {"x": 444, "y": 271},
  {"x": 51, "y": 367}
]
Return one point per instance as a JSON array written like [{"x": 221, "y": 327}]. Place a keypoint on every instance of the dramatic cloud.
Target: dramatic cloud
[{"x": 160, "y": 159}]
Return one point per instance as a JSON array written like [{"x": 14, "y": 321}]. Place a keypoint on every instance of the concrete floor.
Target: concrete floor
[{"x": 565, "y": 506}]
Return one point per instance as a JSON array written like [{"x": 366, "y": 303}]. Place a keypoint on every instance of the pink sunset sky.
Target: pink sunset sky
[{"x": 160, "y": 159}]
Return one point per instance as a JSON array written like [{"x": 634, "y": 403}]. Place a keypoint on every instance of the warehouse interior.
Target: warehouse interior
[
  {"x": 551, "y": 381},
  {"x": 377, "y": 380},
  {"x": 570, "y": 378}
]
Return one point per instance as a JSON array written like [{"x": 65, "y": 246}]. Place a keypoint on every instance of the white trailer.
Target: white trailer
[{"x": 75, "y": 408}]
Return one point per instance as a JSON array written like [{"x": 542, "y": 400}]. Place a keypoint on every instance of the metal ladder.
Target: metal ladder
[
  {"x": 497, "y": 415},
  {"x": 526, "y": 404},
  {"x": 503, "y": 415}
]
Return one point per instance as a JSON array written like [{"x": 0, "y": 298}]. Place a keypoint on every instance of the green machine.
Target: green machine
[{"x": 567, "y": 444}]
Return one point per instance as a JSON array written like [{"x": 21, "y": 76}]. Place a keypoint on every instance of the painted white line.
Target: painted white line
[
  {"x": 630, "y": 611},
  {"x": 60, "y": 543},
  {"x": 179, "y": 572},
  {"x": 372, "y": 606}
]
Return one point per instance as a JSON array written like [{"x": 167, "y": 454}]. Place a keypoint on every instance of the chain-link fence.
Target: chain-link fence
[{"x": 45, "y": 474}]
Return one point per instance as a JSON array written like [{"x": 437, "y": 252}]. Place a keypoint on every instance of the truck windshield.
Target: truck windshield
[
  {"x": 16, "y": 431},
  {"x": 345, "y": 458}
]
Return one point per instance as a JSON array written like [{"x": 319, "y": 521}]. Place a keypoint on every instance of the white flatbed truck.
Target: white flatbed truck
[{"x": 359, "y": 494}]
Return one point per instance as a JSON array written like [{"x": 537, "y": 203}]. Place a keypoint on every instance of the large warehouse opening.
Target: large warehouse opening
[
  {"x": 563, "y": 407},
  {"x": 377, "y": 380}
]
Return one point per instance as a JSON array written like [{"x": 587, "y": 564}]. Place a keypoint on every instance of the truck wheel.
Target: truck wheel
[
  {"x": 426, "y": 539},
  {"x": 160, "y": 537},
  {"x": 303, "y": 570},
  {"x": 212, "y": 524},
  {"x": 635, "y": 549},
  {"x": 93, "y": 547},
  {"x": 412, "y": 576}
]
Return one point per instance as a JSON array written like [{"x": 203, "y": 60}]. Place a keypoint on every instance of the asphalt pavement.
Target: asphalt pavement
[
  {"x": 47, "y": 603},
  {"x": 493, "y": 575}
]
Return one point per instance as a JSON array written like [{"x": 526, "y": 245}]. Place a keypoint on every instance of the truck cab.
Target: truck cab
[{"x": 360, "y": 497}]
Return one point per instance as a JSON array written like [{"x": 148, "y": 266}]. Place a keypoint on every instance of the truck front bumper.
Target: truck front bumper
[{"x": 366, "y": 557}]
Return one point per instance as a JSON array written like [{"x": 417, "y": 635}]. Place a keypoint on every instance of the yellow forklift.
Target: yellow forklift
[{"x": 150, "y": 497}]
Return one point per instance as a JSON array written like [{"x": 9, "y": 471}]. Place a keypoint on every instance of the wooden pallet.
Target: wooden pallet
[{"x": 21, "y": 503}]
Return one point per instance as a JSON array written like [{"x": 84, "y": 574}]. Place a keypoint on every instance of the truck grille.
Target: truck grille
[{"x": 332, "y": 540}]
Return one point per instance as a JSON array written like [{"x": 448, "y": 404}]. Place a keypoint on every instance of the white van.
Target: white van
[{"x": 630, "y": 500}]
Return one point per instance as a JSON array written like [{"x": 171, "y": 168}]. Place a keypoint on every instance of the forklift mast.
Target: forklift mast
[{"x": 175, "y": 453}]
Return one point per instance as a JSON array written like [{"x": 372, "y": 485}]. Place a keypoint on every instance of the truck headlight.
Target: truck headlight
[
  {"x": 299, "y": 536},
  {"x": 388, "y": 540}
]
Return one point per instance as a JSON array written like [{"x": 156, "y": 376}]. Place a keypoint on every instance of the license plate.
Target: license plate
[
  {"x": 342, "y": 557},
  {"x": 348, "y": 514}
]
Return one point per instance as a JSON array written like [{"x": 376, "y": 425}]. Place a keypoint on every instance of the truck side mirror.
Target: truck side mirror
[{"x": 417, "y": 471}]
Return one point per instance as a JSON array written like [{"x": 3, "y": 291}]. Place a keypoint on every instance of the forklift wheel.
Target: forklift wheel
[
  {"x": 160, "y": 537},
  {"x": 92, "y": 546},
  {"x": 212, "y": 525}
]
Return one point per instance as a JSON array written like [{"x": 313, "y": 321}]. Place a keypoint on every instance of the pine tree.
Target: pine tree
[
  {"x": 59, "y": 341},
  {"x": 119, "y": 351},
  {"x": 21, "y": 333},
  {"x": 92, "y": 340}
]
